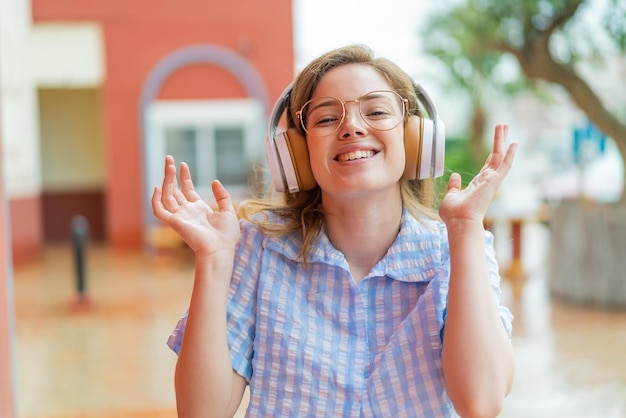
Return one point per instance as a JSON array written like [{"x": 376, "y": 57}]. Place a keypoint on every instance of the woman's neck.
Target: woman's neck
[{"x": 363, "y": 230}]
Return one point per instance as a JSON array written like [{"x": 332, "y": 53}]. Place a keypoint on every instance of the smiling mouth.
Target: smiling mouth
[{"x": 355, "y": 155}]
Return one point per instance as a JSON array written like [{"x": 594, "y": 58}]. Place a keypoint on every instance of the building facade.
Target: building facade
[{"x": 118, "y": 85}]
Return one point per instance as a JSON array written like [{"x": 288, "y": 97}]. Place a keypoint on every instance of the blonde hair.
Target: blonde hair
[{"x": 302, "y": 210}]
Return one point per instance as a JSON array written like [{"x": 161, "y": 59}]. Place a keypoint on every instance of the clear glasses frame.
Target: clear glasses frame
[{"x": 379, "y": 118}]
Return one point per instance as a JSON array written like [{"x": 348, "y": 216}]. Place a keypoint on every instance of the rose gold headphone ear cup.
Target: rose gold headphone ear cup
[
  {"x": 299, "y": 153},
  {"x": 413, "y": 140},
  {"x": 287, "y": 152}
]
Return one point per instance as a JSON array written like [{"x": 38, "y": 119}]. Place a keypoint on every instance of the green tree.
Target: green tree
[
  {"x": 546, "y": 37},
  {"x": 471, "y": 71}
]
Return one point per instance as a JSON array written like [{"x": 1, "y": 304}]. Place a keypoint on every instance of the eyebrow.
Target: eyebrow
[
  {"x": 373, "y": 94},
  {"x": 323, "y": 103}
]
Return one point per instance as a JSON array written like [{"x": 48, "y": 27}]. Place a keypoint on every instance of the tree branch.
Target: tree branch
[{"x": 562, "y": 18}]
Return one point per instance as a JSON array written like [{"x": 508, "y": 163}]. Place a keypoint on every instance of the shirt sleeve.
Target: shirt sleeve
[
  {"x": 176, "y": 337},
  {"x": 494, "y": 278},
  {"x": 493, "y": 271},
  {"x": 242, "y": 299},
  {"x": 241, "y": 306}
]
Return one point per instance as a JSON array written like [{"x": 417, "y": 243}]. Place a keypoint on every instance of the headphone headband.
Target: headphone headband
[
  {"x": 277, "y": 111},
  {"x": 438, "y": 137}
]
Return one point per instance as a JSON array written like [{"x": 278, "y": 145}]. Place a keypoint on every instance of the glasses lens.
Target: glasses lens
[
  {"x": 381, "y": 110},
  {"x": 322, "y": 116}
]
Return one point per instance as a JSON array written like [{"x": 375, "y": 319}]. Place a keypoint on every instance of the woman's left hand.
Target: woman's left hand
[{"x": 471, "y": 204}]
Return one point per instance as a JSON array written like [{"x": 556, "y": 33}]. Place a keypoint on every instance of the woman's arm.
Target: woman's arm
[
  {"x": 206, "y": 385},
  {"x": 477, "y": 352},
  {"x": 478, "y": 361}
]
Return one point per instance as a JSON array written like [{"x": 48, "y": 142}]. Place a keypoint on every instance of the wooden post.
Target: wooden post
[{"x": 515, "y": 271}]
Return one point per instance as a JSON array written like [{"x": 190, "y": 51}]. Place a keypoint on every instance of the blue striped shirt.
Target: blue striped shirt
[{"x": 311, "y": 342}]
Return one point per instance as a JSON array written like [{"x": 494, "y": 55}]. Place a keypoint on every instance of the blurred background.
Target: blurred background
[{"x": 94, "y": 94}]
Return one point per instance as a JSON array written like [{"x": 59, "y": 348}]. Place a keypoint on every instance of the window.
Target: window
[
  {"x": 218, "y": 139},
  {"x": 231, "y": 167}
]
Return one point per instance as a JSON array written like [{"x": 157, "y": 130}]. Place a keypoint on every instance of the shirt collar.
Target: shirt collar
[{"x": 414, "y": 256}]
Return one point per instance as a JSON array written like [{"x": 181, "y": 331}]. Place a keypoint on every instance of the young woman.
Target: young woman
[{"x": 353, "y": 297}]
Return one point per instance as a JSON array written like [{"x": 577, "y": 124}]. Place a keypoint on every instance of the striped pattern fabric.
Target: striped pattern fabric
[{"x": 311, "y": 342}]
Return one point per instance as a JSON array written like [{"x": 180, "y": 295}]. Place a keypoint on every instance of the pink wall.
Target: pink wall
[
  {"x": 26, "y": 228},
  {"x": 138, "y": 35}
]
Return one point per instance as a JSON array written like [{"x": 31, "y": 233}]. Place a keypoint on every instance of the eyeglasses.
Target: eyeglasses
[{"x": 380, "y": 110}]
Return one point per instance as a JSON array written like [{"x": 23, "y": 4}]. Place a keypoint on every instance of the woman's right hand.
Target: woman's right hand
[{"x": 209, "y": 233}]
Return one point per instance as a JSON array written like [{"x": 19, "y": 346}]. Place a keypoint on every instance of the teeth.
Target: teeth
[{"x": 355, "y": 155}]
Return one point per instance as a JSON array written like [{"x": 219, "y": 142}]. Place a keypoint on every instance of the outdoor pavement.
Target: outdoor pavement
[{"x": 107, "y": 357}]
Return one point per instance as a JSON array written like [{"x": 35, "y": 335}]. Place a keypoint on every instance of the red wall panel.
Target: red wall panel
[
  {"x": 26, "y": 228},
  {"x": 138, "y": 35}
]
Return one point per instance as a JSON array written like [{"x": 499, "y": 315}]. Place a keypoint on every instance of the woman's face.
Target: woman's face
[{"x": 356, "y": 159}]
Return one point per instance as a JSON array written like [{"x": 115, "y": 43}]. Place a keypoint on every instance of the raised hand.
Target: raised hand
[
  {"x": 471, "y": 203},
  {"x": 207, "y": 232}
]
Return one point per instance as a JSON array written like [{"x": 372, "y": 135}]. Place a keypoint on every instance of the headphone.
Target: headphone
[{"x": 288, "y": 156}]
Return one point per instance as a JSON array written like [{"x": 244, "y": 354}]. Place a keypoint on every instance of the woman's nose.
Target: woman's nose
[{"x": 353, "y": 123}]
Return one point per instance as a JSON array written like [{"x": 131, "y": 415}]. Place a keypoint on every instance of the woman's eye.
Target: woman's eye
[
  {"x": 325, "y": 120},
  {"x": 326, "y": 116},
  {"x": 376, "y": 113}
]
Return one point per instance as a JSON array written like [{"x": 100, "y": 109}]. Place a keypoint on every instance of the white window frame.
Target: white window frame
[{"x": 204, "y": 116}]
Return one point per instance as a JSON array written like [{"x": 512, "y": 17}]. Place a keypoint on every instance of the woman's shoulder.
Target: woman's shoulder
[
  {"x": 267, "y": 230},
  {"x": 423, "y": 223},
  {"x": 271, "y": 224},
  {"x": 262, "y": 219}
]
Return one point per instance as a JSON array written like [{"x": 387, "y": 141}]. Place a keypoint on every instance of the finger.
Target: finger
[
  {"x": 507, "y": 162},
  {"x": 157, "y": 206},
  {"x": 177, "y": 193},
  {"x": 501, "y": 132},
  {"x": 167, "y": 172},
  {"x": 180, "y": 198},
  {"x": 170, "y": 185},
  {"x": 454, "y": 182},
  {"x": 186, "y": 183},
  {"x": 499, "y": 138},
  {"x": 222, "y": 197}
]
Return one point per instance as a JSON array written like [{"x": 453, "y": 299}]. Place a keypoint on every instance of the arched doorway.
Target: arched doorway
[{"x": 226, "y": 133}]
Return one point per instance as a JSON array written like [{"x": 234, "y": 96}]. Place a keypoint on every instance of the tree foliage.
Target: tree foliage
[{"x": 547, "y": 38}]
